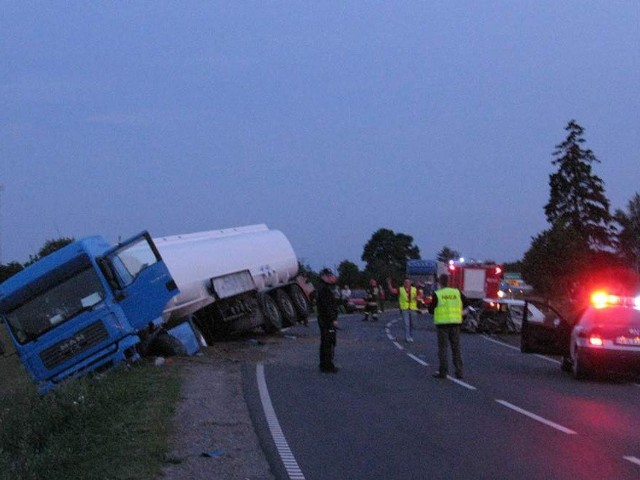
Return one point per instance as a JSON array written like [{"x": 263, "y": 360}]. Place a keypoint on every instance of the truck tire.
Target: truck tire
[
  {"x": 272, "y": 318},
  {"x": 165, "y": 345},
  {"x": 287, "y": 310},
  {"x": 300, "y": 302}
]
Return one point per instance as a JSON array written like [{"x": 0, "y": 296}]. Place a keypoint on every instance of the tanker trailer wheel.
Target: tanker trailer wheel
[
  {"x": 272, "y": 318},
  {"x": 286, "y": 307},
  {"x": 300, "y": 302}
]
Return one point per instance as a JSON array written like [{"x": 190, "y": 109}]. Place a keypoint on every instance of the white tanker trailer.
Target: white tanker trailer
[{"x": 233, "y": 280}]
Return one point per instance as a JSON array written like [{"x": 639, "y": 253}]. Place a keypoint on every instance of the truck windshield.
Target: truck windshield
[{"x": 51, "y": 307}]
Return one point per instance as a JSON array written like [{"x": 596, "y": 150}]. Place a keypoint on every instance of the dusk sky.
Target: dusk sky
[{"x": 325, "y": 120}]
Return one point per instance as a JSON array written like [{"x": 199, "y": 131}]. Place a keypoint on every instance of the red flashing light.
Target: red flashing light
[
  {"x": 498, "y": 270},
  {"x": 452, "y": 267},
  {"x": 601, "y": 299}
]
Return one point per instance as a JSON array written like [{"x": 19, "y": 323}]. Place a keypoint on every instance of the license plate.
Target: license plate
[{"x": 634, "y": 341}]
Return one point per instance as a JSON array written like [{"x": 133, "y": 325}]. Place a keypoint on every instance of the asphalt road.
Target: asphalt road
[{"x": 383, "y": 416}]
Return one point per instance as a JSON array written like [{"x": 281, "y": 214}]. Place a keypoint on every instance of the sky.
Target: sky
[{"x": 325, "y": 120}]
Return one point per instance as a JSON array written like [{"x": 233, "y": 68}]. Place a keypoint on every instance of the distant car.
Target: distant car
[
  {"x": 604, "y": 338},
  {"x": 356, "y": 302}
]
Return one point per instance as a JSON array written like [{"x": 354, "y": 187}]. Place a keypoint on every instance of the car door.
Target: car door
[
  {"x": 140, "y": 280},
  {"x": 548, "y": 334}
]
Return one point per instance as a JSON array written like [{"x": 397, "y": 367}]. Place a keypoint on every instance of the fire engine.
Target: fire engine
[{"x": 476, "y": 280}]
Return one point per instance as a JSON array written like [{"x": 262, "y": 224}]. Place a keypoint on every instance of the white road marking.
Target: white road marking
[
  {"x": 635, "y": 460},
  {"x": 537, "y": 417},
  {"x": 398, "y": 346},
  {"x": 553, "y": 360},
  {"x": 461, "y": 383},
  {"x": 289, "y": 461},
  {"x": 499, "y": 342},
  {"x": 419, "y": 360}
]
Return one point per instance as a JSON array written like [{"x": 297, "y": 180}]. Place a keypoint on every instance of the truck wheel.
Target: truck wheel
[
  {"x": 300, "y": 302},
  {"x": 272, "y": 318},
  {"x": 287, "y": 310},
  {"x": 165, "y": 345}
]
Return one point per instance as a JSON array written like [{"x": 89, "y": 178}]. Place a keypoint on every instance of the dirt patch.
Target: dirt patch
[{"x": 213, "y": 436}]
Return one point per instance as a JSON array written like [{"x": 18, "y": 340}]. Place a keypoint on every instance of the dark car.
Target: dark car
[
  {"x": 604, "y": 338},
  {"x": 357, "y": 302}
]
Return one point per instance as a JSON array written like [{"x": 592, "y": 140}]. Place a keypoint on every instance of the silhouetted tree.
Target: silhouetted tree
[
  {"x": 447, "y": 254},
  {"x": 628, "y": 237},
  {"x": 349, "y": 274},
  {"x": 577, "y": 200},
  {"x": 9, "y": 270},
  {"x": 386, "y": 254}
]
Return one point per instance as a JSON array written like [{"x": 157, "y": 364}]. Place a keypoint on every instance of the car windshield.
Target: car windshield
[
  {"x": 63, "y": 301},
  {"x": 358, "y": 294}
]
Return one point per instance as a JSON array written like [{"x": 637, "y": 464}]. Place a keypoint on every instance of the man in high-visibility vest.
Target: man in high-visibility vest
[
  {"x": 408, "y": 303},
  {"x": 446, "y": 307}
]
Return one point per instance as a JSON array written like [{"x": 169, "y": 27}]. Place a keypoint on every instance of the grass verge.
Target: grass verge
[{"x": 116, "y": 427}]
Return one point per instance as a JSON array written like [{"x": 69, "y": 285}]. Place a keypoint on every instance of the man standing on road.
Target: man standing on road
[
  {"x": 408, "y": 303},
  {"x": 327, "y": 305},
  {"x": 446, "y": 307}
]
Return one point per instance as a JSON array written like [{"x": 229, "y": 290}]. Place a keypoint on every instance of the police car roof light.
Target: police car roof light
[{"x": 601, "y": 299}]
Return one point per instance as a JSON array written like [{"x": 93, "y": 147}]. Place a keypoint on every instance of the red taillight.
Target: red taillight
[{"x": 596, "y": 341}]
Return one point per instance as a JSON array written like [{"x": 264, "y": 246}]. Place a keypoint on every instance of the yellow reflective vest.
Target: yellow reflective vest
[
  {"x": 405, "y": 302},
  {"x": 449, "y": 308}
]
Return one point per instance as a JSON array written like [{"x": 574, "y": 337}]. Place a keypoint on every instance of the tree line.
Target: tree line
[{"x": 585, "y": 244}]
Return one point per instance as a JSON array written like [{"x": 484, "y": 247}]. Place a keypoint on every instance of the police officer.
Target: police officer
[
  {"x": 327, "y": 305},
  {"x": 446, "y": 307}
]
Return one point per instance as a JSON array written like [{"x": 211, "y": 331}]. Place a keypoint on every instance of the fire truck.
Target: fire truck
[{"x": 476, "y": 280}]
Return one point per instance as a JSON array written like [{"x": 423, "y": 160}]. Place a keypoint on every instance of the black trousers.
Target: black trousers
[
  {"x": 327, "y": 347},
  {"x": 449, "y": 334}
]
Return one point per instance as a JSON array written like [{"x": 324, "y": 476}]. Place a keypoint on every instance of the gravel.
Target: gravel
[{"x": 213, "y": 436}]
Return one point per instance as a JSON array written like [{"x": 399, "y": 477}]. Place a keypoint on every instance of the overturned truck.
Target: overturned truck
[{"x": 92, "y": 305}]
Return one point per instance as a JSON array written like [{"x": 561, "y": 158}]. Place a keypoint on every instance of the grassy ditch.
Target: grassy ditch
[{"x": 112, "y": 428}]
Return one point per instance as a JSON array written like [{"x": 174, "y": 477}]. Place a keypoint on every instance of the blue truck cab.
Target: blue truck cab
[{"x": 85, "y": 307}]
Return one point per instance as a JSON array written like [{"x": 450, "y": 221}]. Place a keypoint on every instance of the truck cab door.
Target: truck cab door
[
  {"x": 547, "y": 332},
  {"x": 140, "y": 280}
]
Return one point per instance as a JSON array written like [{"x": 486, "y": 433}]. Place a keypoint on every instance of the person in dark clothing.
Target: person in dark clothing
[
  {"x": 446, "y": 307},
  {"x": 373, "y": 301},
  {"x": 327, "y": 305}
]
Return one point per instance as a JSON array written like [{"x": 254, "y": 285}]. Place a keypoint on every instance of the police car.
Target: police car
[{"x": 604, "y": 338}]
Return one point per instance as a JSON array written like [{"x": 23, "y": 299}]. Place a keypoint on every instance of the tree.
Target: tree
[
  {"x": 349, "y": 274},
  {"x": 577, "y": 200},
  {"x": 553, "y": 262},
  {"x": 628, "y": 237},
  {"x": 447, "y": 254},
  {"x": 386, "y": 254},
  {"x": 9, "y": 270}
]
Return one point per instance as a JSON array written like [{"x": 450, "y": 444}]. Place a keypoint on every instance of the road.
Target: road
[{"x": 383, "y": 416}]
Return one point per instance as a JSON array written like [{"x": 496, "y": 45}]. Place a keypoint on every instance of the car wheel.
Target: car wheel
[
  {"x": 578, "y": 368},
  {"x": 567, "y": 364}
]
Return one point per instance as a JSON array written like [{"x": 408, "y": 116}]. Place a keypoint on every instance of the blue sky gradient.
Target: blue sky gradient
[{"x": 326, "y": 120}]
